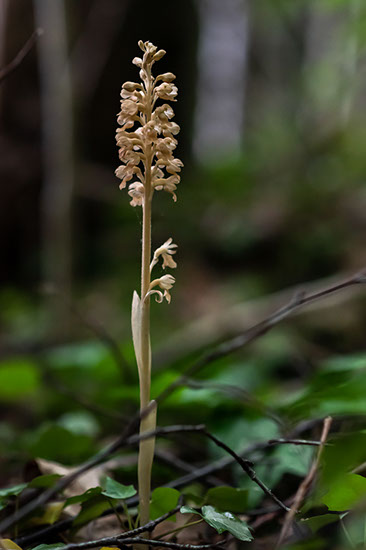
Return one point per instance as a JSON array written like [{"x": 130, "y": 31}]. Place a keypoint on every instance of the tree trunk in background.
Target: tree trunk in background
[
  {"x": 57, "y": 129},
  {"x": 3, "y": 18},
  {"x": 331, "y": 60},
  {"x": 222, "y": 55}
]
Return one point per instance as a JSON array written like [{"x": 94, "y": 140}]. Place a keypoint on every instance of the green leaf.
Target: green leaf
[
  {"x": 91, "y": 509},
  {"x": 228, "y": 498},
  {"x": 113, "y": 489},
  {"x": 222, "y": 521},
  {"x": 163, "y": 499},
  {"x": 317, "y": 522},
  {"x": 13, "y": 491},
  {"x": 345, "y": 363},
  {"x": 18, "y": 378},
  {"x": 346, "y": 492},
  {"x": 189, "y": 510},
  {"x": 226, "y": 521},
  {"x": 43, "y": 482},
  {"x": 54, "y": 442},
  {"x": 84, "y": 497}
]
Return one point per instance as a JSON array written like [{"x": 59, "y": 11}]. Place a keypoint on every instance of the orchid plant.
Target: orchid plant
[{"x": 146, "y": 141}]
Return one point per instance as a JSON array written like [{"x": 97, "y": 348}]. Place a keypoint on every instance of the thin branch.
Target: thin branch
[
  {"x": 299, "y": 300},
  {"x": 23, "y": 52},
  {"x": 247, "y": 468},
  {"x": 304, "y": 486},
  {"x": 283, "y": 441},
  {"x": 164, "y": 544},
  {"x": 171, "y": 460},
  {"x": 173, "y": 545},
  {"x": 107, "y": 541}
]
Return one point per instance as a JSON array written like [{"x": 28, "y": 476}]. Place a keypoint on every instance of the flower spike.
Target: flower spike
[{"x": 146, "y": 138}]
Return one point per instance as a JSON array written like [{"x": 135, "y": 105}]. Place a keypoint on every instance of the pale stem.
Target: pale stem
[{"x": 146, "y": 448}]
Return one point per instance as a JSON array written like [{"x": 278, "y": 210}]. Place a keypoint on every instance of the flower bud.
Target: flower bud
[
  {"x": 137, "y": 61},
  {"x": 166, "y": 77},
  {"x": 130, "y": 86},
  {"x": 159, "y": 55}
]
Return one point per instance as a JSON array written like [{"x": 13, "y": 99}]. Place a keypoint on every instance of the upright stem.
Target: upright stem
[
  {"x": 145, "y": 304},
  {"x": 146, "y": 449}
]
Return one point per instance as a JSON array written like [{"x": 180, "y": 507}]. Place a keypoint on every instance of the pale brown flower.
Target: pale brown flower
[
  {"x": 166, "y": 91},
  {"x": 166, "y": 251},
  {"x": 165, "y": 282},
  {"x": 137, "y": 191}
]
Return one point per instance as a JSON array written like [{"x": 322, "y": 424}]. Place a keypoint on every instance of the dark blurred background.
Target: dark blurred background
[{"x": 273, "y": 137}]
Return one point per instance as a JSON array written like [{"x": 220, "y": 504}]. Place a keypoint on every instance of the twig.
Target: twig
[
  {"x": 300, "y": 299},
  {"x": 304, "y": 486},
  {"x": 159, "y": 543},
  {"x": 129, "y": 537},
  {"x": 178, "y": 463},
  {"x": 174, "y": 545},
  {"x": 247, "y": 468},
  {"x": 283, "y": 441},
  {"x": 23, "y": 52},
  {"x": 106, "y": 541}
]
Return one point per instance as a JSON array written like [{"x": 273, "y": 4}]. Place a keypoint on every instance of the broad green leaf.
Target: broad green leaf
[
  {"x": 345, "y": 492},
  {"x": 317, "y": 522},
  {"x": 226, "y": 521},
  {"x": 13, "y": 491},
  {"x": 342, "y": 455},
  {"x": 43, "y": 482},
  {"x": 54, "y": 442},
  {"x": 84, "y": 497},
  {"x": 222, "y": 521},
  {"x": 228, "y": 499},
  {"x": 238, "y": 432},
  {"x": 113, "y": 489},
  {"x": 90, "y": 510},
  {"x": 163, "y": 499},
  {"x": 18, "y": 378}
]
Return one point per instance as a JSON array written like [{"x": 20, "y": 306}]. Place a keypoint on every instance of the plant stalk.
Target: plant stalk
[{"x": 146, "y": 448}]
